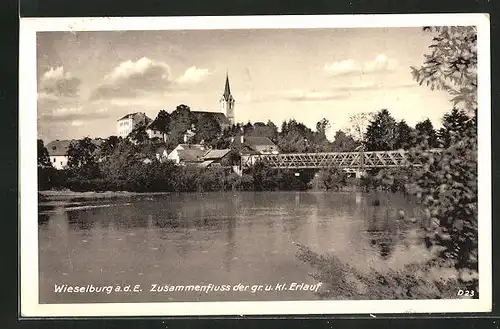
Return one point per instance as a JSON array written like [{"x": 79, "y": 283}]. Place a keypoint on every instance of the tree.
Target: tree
[
  {"x": 358, "y": 123},
  {"x": 43, "y": 155},
  {"x": 322, "y": 126},
  {"x": 163, "y": 121},
  {"x": 454, "y": 124},
  {"x": 207, "y": 129},
  {"x": 180, "y": 121},
  {"x": 381, "y": 132},
  {"x": 344, "y": 142},
  {"x": 82, "y": 158},
  {"x": 139, "y": 134},
  {"x": 452, "y": 64},
  {"x": 108, "y": 146},
  {"x": 268, "y": 130},
  {"x": 403, "y": 135},
  {"x": 425, "y": 136},
  {"x": 447, "y": 184}
]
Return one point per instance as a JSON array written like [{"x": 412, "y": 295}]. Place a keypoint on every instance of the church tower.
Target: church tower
[{"x": 227, "y": 102}]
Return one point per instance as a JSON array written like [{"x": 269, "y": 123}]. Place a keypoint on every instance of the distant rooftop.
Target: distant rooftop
[
  {"x": 216, "y": 154},
  {"x": 131, "y": 115},
  {"x": 58, "y": 147}
]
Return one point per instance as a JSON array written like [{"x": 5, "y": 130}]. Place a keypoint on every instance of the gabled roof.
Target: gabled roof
[
  {"x": 206, "y": 163},
  {"x": 58, "y": 147},
  {"x": 132, "y": 115},
  {"x": 154, "y": 125},
  {"x": 251, "y": 144},
  {"x": 258, "y": 141},
  {"x": 192, "y": 147},
  {"x": 216, "y": 154},
  {"x": 253, "y": 141},
  {"x": 191, "y": 155},
  {"x": 129, "y": 116}
]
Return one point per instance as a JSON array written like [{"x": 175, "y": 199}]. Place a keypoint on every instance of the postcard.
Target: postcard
[{"x": 255, "y": 165}]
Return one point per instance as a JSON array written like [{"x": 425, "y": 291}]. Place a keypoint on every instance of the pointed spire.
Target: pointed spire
[{"x": 227, "y": 90}]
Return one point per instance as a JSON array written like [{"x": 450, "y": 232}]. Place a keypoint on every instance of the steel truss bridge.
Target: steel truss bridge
[{"x": 349, "y": 161}]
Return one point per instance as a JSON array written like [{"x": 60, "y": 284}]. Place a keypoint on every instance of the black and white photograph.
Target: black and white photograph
[{"x": 255, "y": 165}]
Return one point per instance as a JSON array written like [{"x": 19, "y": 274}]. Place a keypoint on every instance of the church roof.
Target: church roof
[
  {"x": 227, "y": 90},
  {"x": 218, "y": 116}
]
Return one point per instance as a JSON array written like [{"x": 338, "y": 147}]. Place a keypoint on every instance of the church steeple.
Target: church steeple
[
  {"x": 227, "y": 90},
  {"x": 227, "y": 102}
]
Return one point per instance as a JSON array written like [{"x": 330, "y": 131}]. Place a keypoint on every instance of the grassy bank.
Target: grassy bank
[{"x": 423, "y": 280}]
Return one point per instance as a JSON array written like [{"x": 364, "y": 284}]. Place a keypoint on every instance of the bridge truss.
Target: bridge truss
[{"x": 344, "y": 160}]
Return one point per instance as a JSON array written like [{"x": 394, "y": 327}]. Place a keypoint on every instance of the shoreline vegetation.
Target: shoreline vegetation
[{"x": 445, "y": 186}]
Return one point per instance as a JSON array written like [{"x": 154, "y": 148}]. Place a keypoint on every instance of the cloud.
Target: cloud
[
  {"x": 313, "y": 95},
  {"x": 372, "y": 86},
  {"x": 341, "y": 91},
  {"x": 70, "y": 114},
  {"x": 65, "y": 111},
  {"x": 193, "y": 75},
  {"x": 380, "y": 64},
  {"x": 56, "y": 82},
  {"x": 132, "y": 78},
  {"x": 342, "y": 67}
]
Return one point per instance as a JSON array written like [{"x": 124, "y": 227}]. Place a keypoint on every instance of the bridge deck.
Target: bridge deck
[{"x": 346, "y": 160}]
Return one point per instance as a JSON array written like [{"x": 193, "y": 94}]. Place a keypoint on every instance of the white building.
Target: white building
[
  {"x": 126, "y": 124},
  {"x": 190, "y": 152},
  {"x": 58, "y": 153}
]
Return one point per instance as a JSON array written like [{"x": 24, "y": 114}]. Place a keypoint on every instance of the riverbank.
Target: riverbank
[{"x": 54, "y": 195}]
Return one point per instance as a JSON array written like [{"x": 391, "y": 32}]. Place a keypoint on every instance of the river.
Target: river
[{"x": 223, "y": 239}]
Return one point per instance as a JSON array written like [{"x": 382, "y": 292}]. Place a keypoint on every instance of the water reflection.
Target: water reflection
[{"x": 215, "y": 237}]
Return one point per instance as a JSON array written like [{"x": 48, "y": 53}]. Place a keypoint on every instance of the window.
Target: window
[
  {"x": 61, "y": 163},
  {"x": 54, "y": 160}
]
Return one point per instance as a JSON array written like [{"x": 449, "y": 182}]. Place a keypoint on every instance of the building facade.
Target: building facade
[{"x": 126, "y": 124}]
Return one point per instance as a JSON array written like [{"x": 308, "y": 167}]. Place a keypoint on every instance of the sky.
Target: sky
[{"x": 86, "y": 81}]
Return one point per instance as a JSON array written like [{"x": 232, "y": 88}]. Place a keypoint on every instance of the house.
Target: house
[
  {"x": 191, "y": 156},
  {"x": 126, "y": 124},
  {"x": 155, "y": 131},
  {"x": 187, "y": 153},
  {"x": 161, "y": 153},
  {"x": 250, "y": 145},
  {"x": 58, "y": 153},
  {"x": 214, "y": 158}
]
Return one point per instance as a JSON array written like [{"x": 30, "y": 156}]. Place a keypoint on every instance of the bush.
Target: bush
[
  {"x": 415, "y": 281},
  {"x": 332, "y": 179},
  {"x": 447, "y": 187}
]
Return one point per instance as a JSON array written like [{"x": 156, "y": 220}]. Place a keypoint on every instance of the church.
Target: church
[{"x": 225, "y": 117}]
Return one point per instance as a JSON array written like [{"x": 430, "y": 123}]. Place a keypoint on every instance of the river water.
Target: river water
[{"x": 238, "y": 240}]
